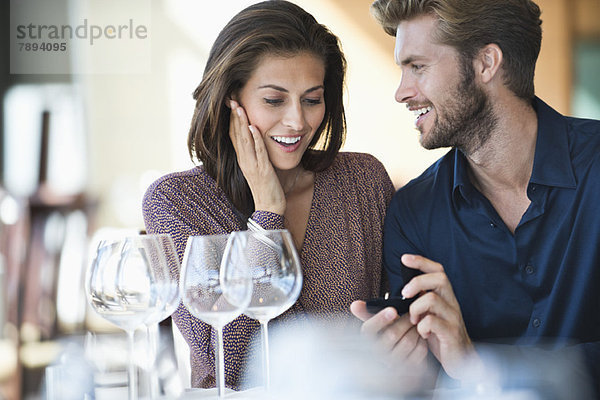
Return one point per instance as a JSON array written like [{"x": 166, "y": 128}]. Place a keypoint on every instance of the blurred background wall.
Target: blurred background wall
[
  {"x": 126, "y": 129},
  {"x": 78, "y": 149}
]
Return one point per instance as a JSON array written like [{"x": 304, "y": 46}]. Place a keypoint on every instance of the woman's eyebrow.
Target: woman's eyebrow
[
  {"x": 279, "y": 88},
  {"x": 312, "y": 89}
]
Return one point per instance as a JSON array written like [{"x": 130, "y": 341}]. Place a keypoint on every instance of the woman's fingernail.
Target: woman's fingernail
[
  {"x": 239, "y": 111},
  {"x": 251, "y": 129}
]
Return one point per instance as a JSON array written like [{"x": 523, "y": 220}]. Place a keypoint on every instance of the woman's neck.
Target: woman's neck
[{"x": 289, "y": 178}]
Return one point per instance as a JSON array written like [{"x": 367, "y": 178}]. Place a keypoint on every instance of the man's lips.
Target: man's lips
[{"x": 420, "y": 113}]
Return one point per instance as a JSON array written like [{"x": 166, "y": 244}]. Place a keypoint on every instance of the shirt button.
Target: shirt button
[
  {"x": 492, "y": 224},
  {"x": 533, "y": 187},
  {"x": 536, "y": 323},
  {"x": 529, "y": 269}
]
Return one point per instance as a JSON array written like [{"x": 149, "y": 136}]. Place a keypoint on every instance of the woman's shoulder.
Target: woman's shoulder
[
  {"x": 180, "y": 178},
  {"x": 354, "y": 163},
  {"x": 360, "y": 171},
  {"x": 179, "y": 183}
]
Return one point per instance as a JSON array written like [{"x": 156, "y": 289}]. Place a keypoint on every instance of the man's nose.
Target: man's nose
[{"x": 406, "y": 90}]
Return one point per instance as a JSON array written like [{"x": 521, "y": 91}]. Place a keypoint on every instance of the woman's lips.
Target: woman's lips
[{"x": 288, "y": 144}]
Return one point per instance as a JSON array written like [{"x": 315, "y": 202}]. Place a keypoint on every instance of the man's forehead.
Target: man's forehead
[{"x": 415, "y": 39}]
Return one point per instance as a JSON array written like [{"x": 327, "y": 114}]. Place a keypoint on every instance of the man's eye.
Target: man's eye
[
  {"x": 417, "y": 67},
  {"x": 273, "y": 102}
]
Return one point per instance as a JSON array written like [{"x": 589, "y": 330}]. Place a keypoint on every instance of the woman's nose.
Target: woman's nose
[{"x": 294, "y": 117}]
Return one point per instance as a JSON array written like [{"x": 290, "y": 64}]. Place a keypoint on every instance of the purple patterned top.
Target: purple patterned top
[{"x": 340, "y": 257}]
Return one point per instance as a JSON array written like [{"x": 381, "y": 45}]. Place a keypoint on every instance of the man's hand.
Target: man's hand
[
  {"x": 394, "y": 334},
  {"x": 436, "y": 314}
]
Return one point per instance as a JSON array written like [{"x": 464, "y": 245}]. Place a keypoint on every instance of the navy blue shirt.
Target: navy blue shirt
[{"x": 541, "y": 283}]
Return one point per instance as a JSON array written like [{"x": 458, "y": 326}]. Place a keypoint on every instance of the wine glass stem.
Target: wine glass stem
[
  {"x": 153, "y": 343},
  {"x": 265, "y": 342},
  {"x": 220, "y": 364},
  {"x": 131, "y": 372}
]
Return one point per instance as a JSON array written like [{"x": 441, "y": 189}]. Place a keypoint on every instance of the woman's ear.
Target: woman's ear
[
  {"x": 488, "y": 62},
  {"x": 228, "y": 100}
]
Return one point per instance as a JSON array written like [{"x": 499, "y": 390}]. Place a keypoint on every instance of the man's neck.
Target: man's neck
[{"x": 505, "y": 161}]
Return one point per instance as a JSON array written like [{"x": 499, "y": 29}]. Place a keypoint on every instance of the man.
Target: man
[{"x": 499, "y": 240}]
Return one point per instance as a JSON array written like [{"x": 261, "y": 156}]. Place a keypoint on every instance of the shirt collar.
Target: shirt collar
[
  {"x": 552, "y": 160},
  {"x": 461, "y": 175}
]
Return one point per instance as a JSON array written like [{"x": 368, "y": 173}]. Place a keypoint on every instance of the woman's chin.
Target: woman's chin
[{"x": 285, "y": 163}]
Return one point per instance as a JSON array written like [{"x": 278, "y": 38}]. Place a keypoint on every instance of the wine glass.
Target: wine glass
[
  {"x": 216, "y": 286},
  {"x": 165, "y": 267},
  {"x": 276, "y": 281},
  {"x": 120, "y": 287}
]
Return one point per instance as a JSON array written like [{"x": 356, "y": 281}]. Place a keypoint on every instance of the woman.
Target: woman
[{"x": 268, "y": 125}]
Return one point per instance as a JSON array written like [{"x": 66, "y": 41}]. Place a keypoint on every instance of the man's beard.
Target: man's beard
[{"x": 467, "y": 120}]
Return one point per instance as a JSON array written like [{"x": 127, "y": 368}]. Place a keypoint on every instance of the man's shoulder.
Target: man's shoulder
[
  {"x": 584, "y": 142},
  {"x": 435, "y": 181},
  {"x": 586, "y": 129},
  {"x": 579, "y": 127}
]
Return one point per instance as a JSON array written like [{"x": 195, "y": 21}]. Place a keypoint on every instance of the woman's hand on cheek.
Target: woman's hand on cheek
[{"x": 254, "y": 162}]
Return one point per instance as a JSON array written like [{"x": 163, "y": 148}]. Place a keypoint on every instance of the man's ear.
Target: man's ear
[{"x": 487, "y": 63}]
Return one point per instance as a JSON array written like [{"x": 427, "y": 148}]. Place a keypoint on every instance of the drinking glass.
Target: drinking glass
[
  {"x": 276, "y": 281},
  {"x": 121, "y": 287},
  {"x": 165, "y": 267},
  {"x": 216, "y": 286}
]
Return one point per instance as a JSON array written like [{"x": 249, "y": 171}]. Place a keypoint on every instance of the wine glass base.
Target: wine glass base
[{"x": 250, "y": 394}]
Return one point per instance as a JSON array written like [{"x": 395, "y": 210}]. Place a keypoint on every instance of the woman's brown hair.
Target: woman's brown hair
[{"x": 274, "y": 27}]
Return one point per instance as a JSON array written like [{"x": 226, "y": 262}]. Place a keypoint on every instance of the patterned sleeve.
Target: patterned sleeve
[
  {"x": 386, "y": 189},
  {"x": 381, "y": 190},
  {"x": 161, "y": 216},
  {"x": 167, "y": 210},
  {"x": 268, "y": 220}
]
